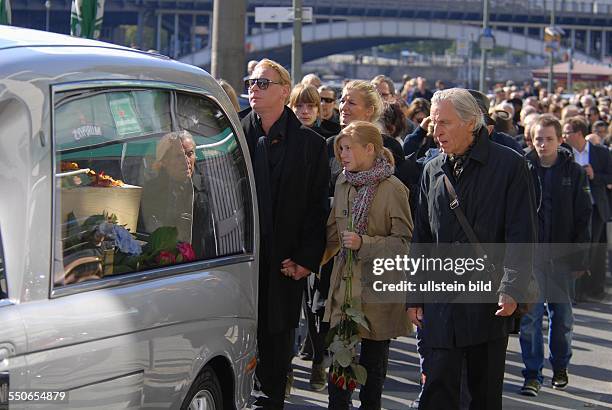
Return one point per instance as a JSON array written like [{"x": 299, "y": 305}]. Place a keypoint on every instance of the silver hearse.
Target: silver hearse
[{"x": 127, "y": 229}]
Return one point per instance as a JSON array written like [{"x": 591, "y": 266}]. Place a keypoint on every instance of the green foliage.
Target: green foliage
[
  {"x": 162, "y": 239},
  {"x": 360, "y": 372},
  {"x": 358, "y": 317}
]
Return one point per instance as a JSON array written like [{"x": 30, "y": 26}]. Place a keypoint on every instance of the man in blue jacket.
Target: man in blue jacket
[{"x": 564, "y": 213}]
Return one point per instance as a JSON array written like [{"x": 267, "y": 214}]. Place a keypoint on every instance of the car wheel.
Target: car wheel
[{"x": 205, "y": 393}]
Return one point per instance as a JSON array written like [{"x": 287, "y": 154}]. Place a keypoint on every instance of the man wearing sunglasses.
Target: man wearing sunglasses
[
  {"x": 291, "y": 177},
  {"x": 330, "y": 118}
]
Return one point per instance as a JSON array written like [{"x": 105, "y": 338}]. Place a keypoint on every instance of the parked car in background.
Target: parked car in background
[{"x": 128, "y": 225}]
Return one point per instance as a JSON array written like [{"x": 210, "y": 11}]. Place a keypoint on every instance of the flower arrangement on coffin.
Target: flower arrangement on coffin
[
  {"x": 343, "y": 338},
  {"x": 163, "y": 248},
  {"x": 98, "y": 230},
  {"x": 77, "y": 177},
  {"x": 103, "y": 235}
]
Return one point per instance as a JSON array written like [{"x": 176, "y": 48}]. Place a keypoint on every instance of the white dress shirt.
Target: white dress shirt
[{"x": 582, "y": 158}]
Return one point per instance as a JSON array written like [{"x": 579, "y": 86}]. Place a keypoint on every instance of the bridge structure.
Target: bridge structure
[{"x": 182, "y": 28}]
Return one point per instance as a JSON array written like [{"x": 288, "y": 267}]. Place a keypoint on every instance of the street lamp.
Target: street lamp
[{"x": 48, "y": 8}]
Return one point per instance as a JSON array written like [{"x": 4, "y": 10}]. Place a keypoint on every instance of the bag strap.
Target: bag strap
[{"x": 465, "y": 225}]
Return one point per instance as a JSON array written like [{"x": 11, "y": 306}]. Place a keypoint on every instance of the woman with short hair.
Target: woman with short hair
[{"x": 305, "y": 102}]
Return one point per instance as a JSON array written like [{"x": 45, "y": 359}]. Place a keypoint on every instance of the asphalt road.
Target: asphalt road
[{"x": 590, "y": 371}]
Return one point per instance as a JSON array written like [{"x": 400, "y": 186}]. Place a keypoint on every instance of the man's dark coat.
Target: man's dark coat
[
  {"x": 571, "y": 211},
  {"x": 599, "y": 158},
  {"x": 299, "y": 218},
  {"x": 497, "y": 197}
]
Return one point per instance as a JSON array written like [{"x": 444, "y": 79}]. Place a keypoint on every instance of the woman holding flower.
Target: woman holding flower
[{"x": 370, "y": 218}]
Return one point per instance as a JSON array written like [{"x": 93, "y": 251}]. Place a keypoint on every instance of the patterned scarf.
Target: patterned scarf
[
  {"x": 458, "y": 161},
  {"x": 366, "y": 183}
]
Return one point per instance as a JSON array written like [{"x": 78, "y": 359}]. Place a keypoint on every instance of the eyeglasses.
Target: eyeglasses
[
  {"x": 327, "y": 100},
  {"x": 262, "y": 83}
]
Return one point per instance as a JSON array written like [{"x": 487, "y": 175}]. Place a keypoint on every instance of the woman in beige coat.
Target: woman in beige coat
[{"x": 377, "y": 202}]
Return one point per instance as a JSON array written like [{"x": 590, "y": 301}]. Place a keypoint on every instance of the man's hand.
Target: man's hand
[
  {"x": 351, "y": 240},
  {"x": 589, "y": 171},
  {"x": 425, "y": 123},
  {"x": 416, "y": 316},
  {"x": 507, "y": 305},
  {"x": 293, "y": 270}
]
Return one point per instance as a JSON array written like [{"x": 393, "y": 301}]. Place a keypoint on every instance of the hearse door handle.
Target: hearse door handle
[{"x": 6, "y": 350}]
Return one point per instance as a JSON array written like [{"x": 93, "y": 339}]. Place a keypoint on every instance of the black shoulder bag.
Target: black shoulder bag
[{"x": 532, "y": 288}]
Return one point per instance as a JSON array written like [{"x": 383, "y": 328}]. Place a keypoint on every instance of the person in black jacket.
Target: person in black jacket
[
  {"x": 564, "y": 212},
  {"x": 496, "y": 195},
  {"x": 291, "y": 177},
  {"x": 496, "y": 136},
  {"x": 597, "y": 164}
]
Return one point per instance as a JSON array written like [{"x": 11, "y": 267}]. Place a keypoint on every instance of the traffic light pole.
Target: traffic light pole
[
  {"x": 296, "y": 43},
  {"x": 550, "y": 88},
  {"x": 483, "y": 53}
]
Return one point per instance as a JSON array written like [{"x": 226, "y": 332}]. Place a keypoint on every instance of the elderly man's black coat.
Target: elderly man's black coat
[
  {"x": 496, "y": 194},
  {"x": 299, "y": 215},
  {"x": 601, "y": 161}
]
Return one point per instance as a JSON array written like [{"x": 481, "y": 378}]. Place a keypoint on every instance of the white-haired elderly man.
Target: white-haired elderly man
[{"x": 494, "y": 211}]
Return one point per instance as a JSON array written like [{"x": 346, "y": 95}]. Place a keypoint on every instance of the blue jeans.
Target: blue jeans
[{"x": 559, "y": 338}]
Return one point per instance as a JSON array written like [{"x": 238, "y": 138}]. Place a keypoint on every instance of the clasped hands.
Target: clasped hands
[{"x": 292, "y": 270}]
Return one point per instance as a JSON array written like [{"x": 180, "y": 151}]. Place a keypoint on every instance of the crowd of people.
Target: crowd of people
[{"x": 346, "y": 176}]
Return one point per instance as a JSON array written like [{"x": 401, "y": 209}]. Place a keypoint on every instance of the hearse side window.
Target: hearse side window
[
  {"x": 145, "y": 179},
  {"x": 3, "y": 283}
]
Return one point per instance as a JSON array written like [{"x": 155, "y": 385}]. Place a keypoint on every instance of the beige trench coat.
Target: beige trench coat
[{"x": 389, "y": 234}]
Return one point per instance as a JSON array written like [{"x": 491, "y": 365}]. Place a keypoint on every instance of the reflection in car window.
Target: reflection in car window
[
  {"x": 145, "y": 179},
  {"x": 3, "y": 283}
]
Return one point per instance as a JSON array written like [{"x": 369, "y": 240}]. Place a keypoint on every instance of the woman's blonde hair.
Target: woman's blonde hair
[
  {"x": 305, "y": 94},
  {"x": 231, "y": 93},
  {"x": 363, "y": 133},
  {"x": 370, "y": 96}
]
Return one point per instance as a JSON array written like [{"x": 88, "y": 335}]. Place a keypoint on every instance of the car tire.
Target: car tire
[{"x": 205, "y": 392}]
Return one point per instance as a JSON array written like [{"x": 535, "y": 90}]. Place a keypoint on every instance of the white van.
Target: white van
[{"x": 128, "y": 226}]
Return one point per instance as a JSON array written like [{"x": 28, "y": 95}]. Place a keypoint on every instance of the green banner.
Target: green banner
[
  {"x": 5, "y": 12},
  {"x": 86, "y": 18}
]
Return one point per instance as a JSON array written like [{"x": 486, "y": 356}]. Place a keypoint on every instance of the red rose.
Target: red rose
[
  {"x": 351, "y": 385},
  {"x": 340, "y": 382},
  {"x": 165, "y": 258},
  {"x": 186, "y": 251},
  {"x": 334, "y": 377}
]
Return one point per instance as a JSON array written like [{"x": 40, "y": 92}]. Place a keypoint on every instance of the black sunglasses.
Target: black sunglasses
[
  {"x": 328, "y": 100},
  {"x": 262, "y": 83}
]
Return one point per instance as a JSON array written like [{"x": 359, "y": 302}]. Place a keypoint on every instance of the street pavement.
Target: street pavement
[{"x": 590, "y": 371}]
